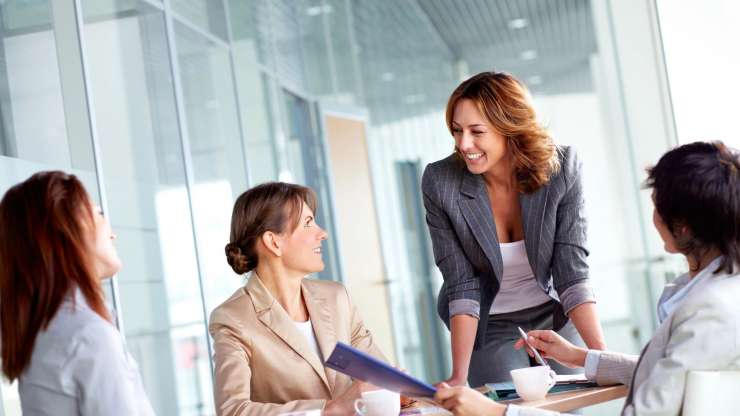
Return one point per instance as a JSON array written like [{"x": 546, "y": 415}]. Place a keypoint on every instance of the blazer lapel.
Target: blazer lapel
[
  {"x": 323, "y": 328},
  {"x": 533, "y": 210},
  {"x": 272, "y": 315},
  {"x": 476, "y": 209}
]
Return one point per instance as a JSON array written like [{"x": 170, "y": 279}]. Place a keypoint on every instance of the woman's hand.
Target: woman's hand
[
  {"x": 464, "y": 401},
  {"x": 552, "y": 345},
  {"x": 344, "y": 404}
]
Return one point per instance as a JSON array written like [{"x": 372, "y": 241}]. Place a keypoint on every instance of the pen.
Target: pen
[{"x": 537, "y": 355}]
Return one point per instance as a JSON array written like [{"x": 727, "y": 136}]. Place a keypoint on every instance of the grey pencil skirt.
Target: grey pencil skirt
[{"x": 492, "y": 362}]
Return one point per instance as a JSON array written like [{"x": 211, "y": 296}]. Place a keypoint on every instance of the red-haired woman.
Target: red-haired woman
[
  {"x": 57, "y": 338},
  {"x": 505, "y": 213}
]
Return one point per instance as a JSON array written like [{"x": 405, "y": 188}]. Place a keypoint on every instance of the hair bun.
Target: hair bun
[{"x": 236, "y": 259}]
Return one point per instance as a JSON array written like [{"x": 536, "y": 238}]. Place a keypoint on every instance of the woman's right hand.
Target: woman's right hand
[
  {"x": 344, "y": 404},
  {"x": 552, "y": 345},
  {"x": 464, "y": 401}
]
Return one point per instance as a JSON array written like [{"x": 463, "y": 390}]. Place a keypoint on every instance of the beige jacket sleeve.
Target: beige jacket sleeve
[{"x": 233, "y": 376}]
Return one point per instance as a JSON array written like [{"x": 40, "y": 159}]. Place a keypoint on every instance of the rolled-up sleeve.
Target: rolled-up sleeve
[
  {"x": 569, "y": 266},
  {"x": 462, "y": 285}
]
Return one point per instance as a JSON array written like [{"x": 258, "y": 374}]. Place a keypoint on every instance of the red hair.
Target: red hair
[
  {"x": 504, "y": 101},
  {"x": 46, "y": 228}
]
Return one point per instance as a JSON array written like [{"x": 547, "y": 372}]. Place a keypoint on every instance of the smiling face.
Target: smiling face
[
  {"x": 301, "y": 248},
  {"x": 104, "y": 255},
  {"x": 477, "y": 142}
]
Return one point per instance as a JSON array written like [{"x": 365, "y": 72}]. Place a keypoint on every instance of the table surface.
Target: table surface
[
  {"x": 561, "y": 402},
  {"x": 570, "y": 400}
]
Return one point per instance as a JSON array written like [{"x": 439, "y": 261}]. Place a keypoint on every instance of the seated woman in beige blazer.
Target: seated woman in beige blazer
[
  {"x": 696, "y": 193},
  {"x": 271, "y": 336}
]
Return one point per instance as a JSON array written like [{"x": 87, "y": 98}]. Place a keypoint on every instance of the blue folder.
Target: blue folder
[{"x": 362, "y": 366}]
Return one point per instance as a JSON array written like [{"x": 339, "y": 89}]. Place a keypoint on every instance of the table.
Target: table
[
  {"x": 570, "y": 400},
  {"x": 561, "y": 402}
]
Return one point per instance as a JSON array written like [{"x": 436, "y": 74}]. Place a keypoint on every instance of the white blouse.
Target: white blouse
[
  {"x": 80, "y": 366},
  {"x": 306, "y": 329},
  {"x": 519, "y": 288}
]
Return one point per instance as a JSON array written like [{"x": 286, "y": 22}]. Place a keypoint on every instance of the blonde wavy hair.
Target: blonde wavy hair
[{"x": 504, "y": 102}]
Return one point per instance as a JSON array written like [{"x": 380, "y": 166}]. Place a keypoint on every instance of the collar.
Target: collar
[
  {"x": 262, "y": 299},
  {"x": 675, "y": 292}
]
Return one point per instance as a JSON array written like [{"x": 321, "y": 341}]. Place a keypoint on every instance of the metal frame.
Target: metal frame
[
  {"x": 237, "y": 100},
  {"x": 187, "y": 161},
  {"x": 79, "y": 25}
]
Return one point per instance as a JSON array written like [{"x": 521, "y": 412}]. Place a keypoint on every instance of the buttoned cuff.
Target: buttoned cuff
[
  {"x": 575, "y": 295},
  {"x": 465, "y": 307},
  {"x": 592, "y": 363},
  {"x": 512, "y": 410}
]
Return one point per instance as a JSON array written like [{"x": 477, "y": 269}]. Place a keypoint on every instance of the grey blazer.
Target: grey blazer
[
  {"x": 466, "y": 247},
  {"x": 702, "y": 334}
]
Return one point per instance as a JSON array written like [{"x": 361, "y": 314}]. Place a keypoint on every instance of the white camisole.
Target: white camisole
[{"x": 519, "y": 288}]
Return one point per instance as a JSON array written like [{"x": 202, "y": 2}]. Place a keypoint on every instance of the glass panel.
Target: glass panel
[
  {"x": 208, "y": 15},
  {"x": 253, "y": 90},
  {"x": 329, "y": 50},
  {"x": 34, "y": 133},
  {"x": 30, "y": 79},
  {"x": 216, "y": 151},
  {"x": 250, "y": 24},
  {"x": 307, "y": 163},
  {"x": 427, "y": 349},
  {"x": 142, "y": 159},
  {"x": 702, "y": 66}
]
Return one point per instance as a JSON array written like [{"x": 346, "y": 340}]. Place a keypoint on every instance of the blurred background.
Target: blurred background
[{"x": 169, "y": 109}]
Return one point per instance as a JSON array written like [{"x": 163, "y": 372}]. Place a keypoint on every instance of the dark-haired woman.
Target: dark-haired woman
[
  {"x": 58, "y": 340},
  {"x": 505, "y": 214},
  {"x": 271, "y": 336},
  {"x": 696, "y": 193}
]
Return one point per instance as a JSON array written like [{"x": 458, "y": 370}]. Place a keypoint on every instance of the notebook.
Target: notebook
[{"x": 362, "y": 366}]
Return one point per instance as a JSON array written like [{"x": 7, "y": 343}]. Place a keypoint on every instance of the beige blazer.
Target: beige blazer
[
  {"x": 265, "y": 366},
  {"x": 703, "y": 333}
]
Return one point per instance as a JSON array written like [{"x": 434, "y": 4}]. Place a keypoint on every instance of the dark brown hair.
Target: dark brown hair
[
  {"x": 697, "y": 186},
  {"x": 46, "y": 227},
  {"x": 504, "y": 102},
  {"x": 272, "y": 206}
]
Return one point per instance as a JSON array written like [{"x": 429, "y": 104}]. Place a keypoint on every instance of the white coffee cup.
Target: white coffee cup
[
  {"x": 378, "y": 403},
  {"x": 533, "y": 383}
]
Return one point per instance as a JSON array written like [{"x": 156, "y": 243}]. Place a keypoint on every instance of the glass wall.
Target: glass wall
[{"x": 144, "y": 171}]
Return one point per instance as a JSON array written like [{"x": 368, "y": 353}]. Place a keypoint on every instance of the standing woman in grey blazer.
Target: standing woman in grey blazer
[
  {"x": 696, "y": 193},
  {"x": 505, "y": 214}
]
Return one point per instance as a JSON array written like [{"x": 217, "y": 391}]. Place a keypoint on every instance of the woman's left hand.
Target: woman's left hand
[{"x": 464, "y": 401}]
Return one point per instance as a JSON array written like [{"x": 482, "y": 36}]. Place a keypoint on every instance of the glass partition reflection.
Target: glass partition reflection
[
  {"x": 144, "y": 171},
  {"x": 216, "y": 151}
]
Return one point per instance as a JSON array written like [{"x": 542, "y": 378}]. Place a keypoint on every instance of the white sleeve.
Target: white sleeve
[
  {"x": 106, "y": 381},
  {"x": 592, "y": 363}
]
